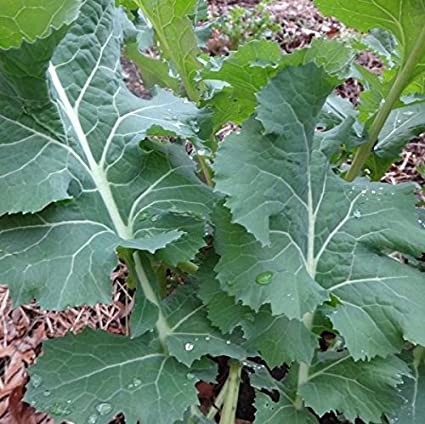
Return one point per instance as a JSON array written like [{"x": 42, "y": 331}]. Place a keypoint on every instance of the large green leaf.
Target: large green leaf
[
  {"x": 310, "y": 230},
  {"x": 91, "y": 377},
  {"x": 64, "y": 254},
  {"x": 413, "y": 391},
  {"x": 356, "y": 389},
  {"x": 27, "y": 20}
]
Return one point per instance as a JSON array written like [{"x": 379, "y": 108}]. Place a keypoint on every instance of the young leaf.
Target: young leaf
[
  {"x": 116, "y": 184},
  {"x": 318, "y": 232},
  {"x": 245, "y": 72},
  {"x": 356, "y": 389},
  {"x": 95, "y": 375},
  {"x": 176, "y": 37},
  {"x": 402, "y": 125}
]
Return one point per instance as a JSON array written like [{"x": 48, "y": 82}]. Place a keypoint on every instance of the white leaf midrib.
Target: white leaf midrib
[{"x": 97, "y": 173}]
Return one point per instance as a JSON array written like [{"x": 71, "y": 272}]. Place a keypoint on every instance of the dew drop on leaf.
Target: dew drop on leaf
[
  {"x": 36, "y": 380},
  {"x": 207, "y": 338},
  {"x": 357, "y": 214},
  {"x": 188, "y": 347},
  {"x": 46, "y": 393},
  {"x": 264, "y": 278},
  {"x": 92, "y": 419},
  {"x": 104, "y": 408}
]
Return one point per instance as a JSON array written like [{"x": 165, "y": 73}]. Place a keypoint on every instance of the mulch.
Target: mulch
[{"x": 23, "y": 329}]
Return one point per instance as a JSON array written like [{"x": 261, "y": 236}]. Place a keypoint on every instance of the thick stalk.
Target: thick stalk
[
  {"x": 161, "y": 325},
  {"x": 304, "y": 368},
  {"x": 393, "y": 96},
  {"x": 228, "y": 413}
]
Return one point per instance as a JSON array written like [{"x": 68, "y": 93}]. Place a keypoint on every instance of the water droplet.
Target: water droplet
[
  {"x": 59, "y": 409},
  {"x": 46, "y": 393},
  {"x": 202, "y": 152},
  {"x": 36, "y": 380},
  {"x": 155, "y": 218},
  {"x": 357, "y": 214},
  {"x": 190, "y": 376},
  {"x": 373, "y": 192},
  {"x": 143, "y": 216},
  {"x": 409, "y": 113},
  {"x": 92, "y": 419},
  {"x": 207, "y": 338},
  {"x": 104, "y": 408},
  {"x": 228, "y": 342},
  {"x": 188, "y": 347},
  {"x": 264, "y": 278},
  {"x": 134, "y": 383}
]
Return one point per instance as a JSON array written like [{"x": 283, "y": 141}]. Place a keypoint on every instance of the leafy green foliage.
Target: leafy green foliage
[
  {"x": 305, "y": 225},
  {"x": 284, "y": 253},
  {"x": 152, "y": 386},
  {"x": 28, "y": 20},
  {"x": 412, "y": 411},
  {"x": 398, "y": 36}
]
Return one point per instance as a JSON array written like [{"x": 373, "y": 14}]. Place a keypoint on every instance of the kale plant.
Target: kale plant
[{"x": 278, "y": 238}]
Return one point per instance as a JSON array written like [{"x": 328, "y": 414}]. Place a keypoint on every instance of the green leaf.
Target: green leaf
[
  {"x": 28, "y": 20},
  {"x": 279, "y": 340},
  {"x": 362, "y": 390},
  {"x": 317, "y": 231},
  {"x": 245, "y": 72},
  {"x": 64, "y": 254},
  {"x": 153, "y": 71},
  {"x": 191, "y": 335},
  {"x": 283, "y": 411},
  {"x": 288, "y": 292},
  {"x": 223, "y": 312},
  {"x": 413, "y": 391},
  {"x": 170, "y": 19},
  {"x": 93, "y": 376},
  {"x": 402, "y": 18},
  {"x": 402, "y": 125},
  {"x": 264, "y": 333},
  {"x": 29, "y": 179}
]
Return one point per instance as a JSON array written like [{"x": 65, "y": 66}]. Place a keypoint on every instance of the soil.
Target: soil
[{"x": 24, "y": 328}]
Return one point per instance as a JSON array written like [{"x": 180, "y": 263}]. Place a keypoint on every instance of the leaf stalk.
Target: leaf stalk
[
  {"x": 228, "y": 413},
  {"x": 400, "y": 83}
]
